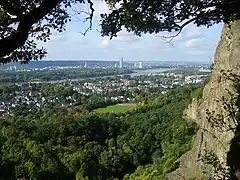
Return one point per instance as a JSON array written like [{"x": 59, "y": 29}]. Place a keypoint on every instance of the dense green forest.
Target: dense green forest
[
  {"x": 45, "y": 75},
  {"x": 140, "y": 144}
]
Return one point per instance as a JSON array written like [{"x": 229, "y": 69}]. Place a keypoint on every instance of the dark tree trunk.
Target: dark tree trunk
[{"x": 18, "y": 38}]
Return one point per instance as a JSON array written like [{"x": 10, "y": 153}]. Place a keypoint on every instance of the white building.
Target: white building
[
  {"x": 85, "y": 65},
  {"x": 121, "y": 63}
]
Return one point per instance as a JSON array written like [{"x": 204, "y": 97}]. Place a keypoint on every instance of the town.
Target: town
[
  {"x": 90, "y": 94},
  {"x": 91, "y": 64}
]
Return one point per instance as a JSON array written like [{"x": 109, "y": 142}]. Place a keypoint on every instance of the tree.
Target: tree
[
  {"x": 147, "y": 16},
  {"x": 22, "y": 22}
]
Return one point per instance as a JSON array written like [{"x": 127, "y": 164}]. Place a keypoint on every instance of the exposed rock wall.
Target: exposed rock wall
[{"x": 227, "y": 57}]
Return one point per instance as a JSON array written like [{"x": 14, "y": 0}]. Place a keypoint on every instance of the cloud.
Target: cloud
[
  {"x": 193, "y": 32},
  {"x": 188, "y": 33},
  {"x": 196, "y": 52},
  {"x": 57, "y": 37},
  {"x": 193, "y": 43},
  {"x": 105, "y": 42},
  {"x": 123, "y": 41},
  {"x": 198, "y": 46},
  {"x": 100, "y": 7},
  {"x": 179, "y": 37},
  {"x": 78, "y": 39},
  {"x": 126, "y": 37},
  {"x": 195, "y": 46},
  {"x": 72, "y": 38}
]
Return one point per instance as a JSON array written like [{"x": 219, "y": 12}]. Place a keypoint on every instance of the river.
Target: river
[{"x": 135, "y": 73}]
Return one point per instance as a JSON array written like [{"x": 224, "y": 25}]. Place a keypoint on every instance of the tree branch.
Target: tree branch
[
  {"x": 180, "y": 30},
  {"x": 18, "y": 38},
  {"x": 7, "y": 6},
  {"x": 90, "y": 17},
  {"x": 186, "y": 23}
]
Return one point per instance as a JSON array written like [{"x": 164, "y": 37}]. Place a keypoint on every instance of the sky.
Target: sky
[{"x": 193, "y": 44}]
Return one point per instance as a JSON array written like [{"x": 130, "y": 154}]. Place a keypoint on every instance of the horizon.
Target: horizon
[{"x": 83, "y": 60}]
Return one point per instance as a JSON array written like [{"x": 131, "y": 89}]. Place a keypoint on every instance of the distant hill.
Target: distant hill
[{"x": 66, "y": 63}]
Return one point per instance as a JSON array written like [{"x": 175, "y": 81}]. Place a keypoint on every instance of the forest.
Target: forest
[
  {"x": 125, "y": 146},
  {"x": 144, "y": 143}
]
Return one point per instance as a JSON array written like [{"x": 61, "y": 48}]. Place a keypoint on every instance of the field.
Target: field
[{"x": 117, "y": 108}]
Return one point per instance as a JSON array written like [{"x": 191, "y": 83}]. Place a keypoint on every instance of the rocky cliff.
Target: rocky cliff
[{"x": 210, "y": 137}]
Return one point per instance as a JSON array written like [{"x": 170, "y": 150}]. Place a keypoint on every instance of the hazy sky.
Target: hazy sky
[{"x": 193, "y": 44}]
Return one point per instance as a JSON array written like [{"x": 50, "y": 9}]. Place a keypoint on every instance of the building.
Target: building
[
  {"x": 140, "y": 66},
  {"x": 121, "y": 63},
  {"x": 135, "y": 64}
]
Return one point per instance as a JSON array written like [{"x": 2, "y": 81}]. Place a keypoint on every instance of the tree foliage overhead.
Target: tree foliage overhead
[
  {"x": 23, "y": 21},
  {"x": 154, "y": 16}
]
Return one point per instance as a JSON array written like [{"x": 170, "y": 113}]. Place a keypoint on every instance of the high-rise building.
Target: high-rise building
[
  {"x": 140, "y": 66},
  {"x": 85, "y": 65},
  {"x": 121, "y": 63}
]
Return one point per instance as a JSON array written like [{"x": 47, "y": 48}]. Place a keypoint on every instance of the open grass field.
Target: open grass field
[{"x": 117, "y": 108}]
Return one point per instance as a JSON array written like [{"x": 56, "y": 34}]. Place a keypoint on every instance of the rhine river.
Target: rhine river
[{"x": 135, "y": 73}]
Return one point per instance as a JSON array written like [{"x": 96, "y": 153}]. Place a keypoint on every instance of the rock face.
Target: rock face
[{"x": 210, "y": 138}]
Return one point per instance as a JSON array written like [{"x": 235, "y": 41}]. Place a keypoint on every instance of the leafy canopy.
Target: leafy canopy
[
  {"x": 153, "y": 16},
  {"x": 140, "y": 144},
  {"x": 24, "y": 21}
]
